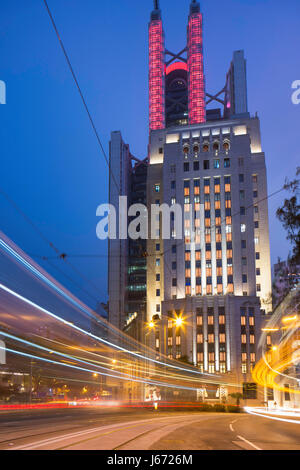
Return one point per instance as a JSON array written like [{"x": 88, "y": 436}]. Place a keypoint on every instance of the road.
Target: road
[{"x": 86, "y": 429}]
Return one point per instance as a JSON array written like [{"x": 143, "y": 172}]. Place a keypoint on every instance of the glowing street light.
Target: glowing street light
[
  {"x": 289, "y": 319},
  {"x": 178, "y": 321}
]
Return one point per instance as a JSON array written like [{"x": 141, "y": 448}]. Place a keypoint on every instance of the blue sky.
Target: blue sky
[{"x": 50, "y": 161}]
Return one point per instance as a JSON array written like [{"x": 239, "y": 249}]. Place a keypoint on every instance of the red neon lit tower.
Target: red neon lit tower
[
  {"x": 196, "y": 80},
  {"x": 156, "y": 70}
]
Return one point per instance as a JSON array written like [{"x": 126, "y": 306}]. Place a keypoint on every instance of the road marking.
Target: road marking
[
  {"x": 231, "y": 428},
  {"x": 249, "y": 443}
]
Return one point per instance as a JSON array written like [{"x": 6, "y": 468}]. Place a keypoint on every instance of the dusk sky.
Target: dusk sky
[{"x": 51, "y": 164}]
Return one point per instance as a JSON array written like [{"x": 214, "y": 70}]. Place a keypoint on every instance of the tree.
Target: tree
[
  {"x": 289, "y": 215},
  {"x": 237, "y": 396}
]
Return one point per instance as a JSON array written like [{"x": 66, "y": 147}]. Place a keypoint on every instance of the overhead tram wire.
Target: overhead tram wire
[
  {"x": 49, "y": 243},
  {"x": 81, "y": 94}
]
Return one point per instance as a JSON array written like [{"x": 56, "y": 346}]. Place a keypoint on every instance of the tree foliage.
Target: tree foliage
[{"x": 289, "y": 215}]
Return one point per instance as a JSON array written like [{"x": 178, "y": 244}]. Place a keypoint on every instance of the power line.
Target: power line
[
  {"x": 59, "y": 255},
  {"x": 80, "y": 93}
]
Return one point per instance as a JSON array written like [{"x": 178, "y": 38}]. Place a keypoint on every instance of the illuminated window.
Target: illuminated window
[
  {"x": 157, "y": 188},
  {"x": 251, "y": 321},
  {"x": 170, "y": 323},
  {"x": 269, "y": 341},
  {"x": 222, "y": 338},
  {"x": 244, "y": 357},
  {"x": 222, "y": 356},
  {"x": 252, "y": 339},
  {"x": 221, "y": 319},
  {"x": 222, "y": 368},
  {"x": 178, "y": 340},
  {"x": 211, "y": 368},
  {"x": 244, "y": 368},
  {"x": 200, "y": 338},
  {"x": 243, "y": 320},
  {"x": 199, "y": 320},
  {"x": 157, "y": 343},
  {"x": 200, "y": 357},
  {"x": 211, "y": 338},
  {"x": 252, "y": 357},
  {"x": 211, "y": 357},
  {"x": 243, "y": 228},
  {"x": 243, "y": 339},
  {"x": 210, "y": 320}
]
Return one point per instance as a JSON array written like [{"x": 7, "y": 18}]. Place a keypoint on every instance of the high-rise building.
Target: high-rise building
[{"x": 217, "y": 276}]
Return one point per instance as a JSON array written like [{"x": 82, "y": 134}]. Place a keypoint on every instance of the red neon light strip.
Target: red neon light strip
[
  {"x": 176, "y": 66},
  {"x": 197, "y": 112},
  {"x": 156, "y": 75}
]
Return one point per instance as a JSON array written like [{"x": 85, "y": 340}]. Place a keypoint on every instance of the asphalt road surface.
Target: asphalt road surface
[{"x": 98, "y": 429}]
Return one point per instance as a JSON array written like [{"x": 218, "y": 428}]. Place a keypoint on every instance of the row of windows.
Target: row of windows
[
  {"x": 206, "y": 165},
  {"x": 211, "y": 338},
  {"x": 206, "y": 147}
]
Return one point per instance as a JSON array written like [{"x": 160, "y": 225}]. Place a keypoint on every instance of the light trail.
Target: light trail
[
  {"x": 252, "y": 411},
  {"x": 77, "y": 328}
]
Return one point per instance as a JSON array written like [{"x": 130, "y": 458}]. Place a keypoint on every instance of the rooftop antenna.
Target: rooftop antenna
[{"x": 156, "y": 5}]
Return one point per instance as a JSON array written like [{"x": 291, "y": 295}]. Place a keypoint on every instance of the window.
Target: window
[
  {"x": 257, "y": 255},
  {"x": 255, "y": 194},
  {"x": 199, "y": 320},
  {"x": 222, "y": 368},
  {"x": 252, "y": 339},
  {"x": 251, "y": 321},
  {"x": 258, "y": 288},
  {"x": 257, "y": 271},
  {"x": 242, "y": 210},
  {"x": 222, "y": 338},
  {"x": 241, "y": 178},
  {"x": 196, "y": 166},
  {"x": 211, "y": 338},
  {"x": 243, "y": 244},
  {"x": 186, "y": 166},
  {"x": 244, "y": 261},
  {"x": 254, "y": 178},
  {"x": 157, "y": 308},
  {"x": 206, "y": 165},
  {"x": 221, "y": 319},
  {"x": 256, "y": 224},
  {"x": 157, "y": 247},
  {"x": 244, "y": 368},
  {"x": 174, "y": 282},
  {"x": 256, "y": 240},
  {"x": 157, "y": 292},
  {"x": 210, "y": 320},
  {"x": 157, "y": 188},
  {"x": 244, "y": 278},
  {"x": 226, "y": 162},
  {"x": 173, "y": 184},
  {"x": 243, "y": 320},
  {"x": 242, "y": 194},
  {"x": 200, "y": 338},
  {"x": 241, "y": 161},
  {"x": 255, "y": 209},
  {"x": 173, "y": 249},
  {"x": 158, "y": 277},
  {"x": 157, "y": 262},
  {"x": 216, "y": 163},
  {"x": 243, "y": 228},
  {"x": 173, "y": 168},
  {"x": 174, "y": 265}
]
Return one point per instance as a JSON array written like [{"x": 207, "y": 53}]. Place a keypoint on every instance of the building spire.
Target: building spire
[
  {"x": 195, "y": 7},
  {"x": 156, "y": 13}
]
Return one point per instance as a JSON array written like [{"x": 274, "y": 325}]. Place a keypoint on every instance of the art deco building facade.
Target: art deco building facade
[{"x": 210, "y": 162}]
